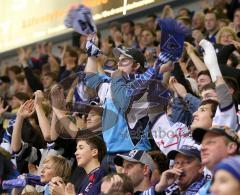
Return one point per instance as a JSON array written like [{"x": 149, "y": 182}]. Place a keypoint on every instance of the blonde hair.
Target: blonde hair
[
  {"x": 61, "y": 165},
  {"x": 226, "y": 29},
  {"x": 29, "y": 190}
]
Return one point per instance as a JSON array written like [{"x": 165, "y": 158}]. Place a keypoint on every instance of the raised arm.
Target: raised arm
[
  {"x": 226, "y": 113},
  {"x": 32, "y": 80},
  {"x": 25, "y": 111},
  {"x": 199, "y": 64},
  {"x": 42, "y": 119},
  {"x": 93, "y": 52},
  {"x": 59, "y": 109}
]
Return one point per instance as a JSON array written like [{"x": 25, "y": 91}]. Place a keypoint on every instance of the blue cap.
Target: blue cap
[{"x": 186, "y": 150}]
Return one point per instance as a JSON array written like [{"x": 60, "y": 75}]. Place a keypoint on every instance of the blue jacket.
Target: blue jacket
[{"x": 125, "y": 126}]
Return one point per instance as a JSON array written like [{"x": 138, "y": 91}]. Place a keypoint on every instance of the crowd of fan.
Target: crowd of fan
[{"x": 101, "y": 118}]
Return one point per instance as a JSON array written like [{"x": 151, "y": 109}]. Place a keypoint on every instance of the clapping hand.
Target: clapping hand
[
  {"x": 39, "y": 97},
  {"x": 26, "y": 110},
  {"x": 57, "y": 97}
]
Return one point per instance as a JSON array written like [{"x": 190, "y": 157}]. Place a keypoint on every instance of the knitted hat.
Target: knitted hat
[{"x": 231, "y": 165}]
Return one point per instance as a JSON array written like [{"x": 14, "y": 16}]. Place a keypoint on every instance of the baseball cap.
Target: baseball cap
[
  {"x": 199, "y": 133},
  {"x": 131, "y": 53},
  {"x": 186, "y": 150},
  {"x": 138, "y": 156}
]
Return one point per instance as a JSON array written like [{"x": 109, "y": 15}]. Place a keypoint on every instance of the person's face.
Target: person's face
[
  {"x": 213, "y": 150},
  {"x": 15, "y": 102},
  {"x": 183, "y": 12},
  {"x": 105, "y": 46},
  {"x": 197, "y": 35},
  {"x": 150, "y": 54},
  {"x": 126, "y": 28},
  {"x": 203, "y": 80},
  {"x": 225, "y": 183},
  {"x": 17, "y": 86},
  {"x": 202, "y": 118},
  {"x": 93, "y": 119},
  {"x": 68, "y": 59},
  {"x": 134, "y": 171},
  {"x": 192, "y": 71},
  {"x": 137, "y": 30},
  {"x": 47, "y": 172},
  {"x": 210, "y": 22},
  {"x": 191, "y": 167},
  {"x": 222, "y": 24},
  {"x": 236, "y": 19},
  {"x": 197, "y": 22},
  {"x": 209, "y": 94},
  {"x": 126, "y": 64},
  {"x": 147, "y": 38},
  {"x": 47, "y": 81},
  {"x": 84, "y": 154},
  {"x": 150, "y": 21},
  {"x": 226, "y": 38}
]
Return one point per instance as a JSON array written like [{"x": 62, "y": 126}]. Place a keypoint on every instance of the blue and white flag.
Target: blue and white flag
[
  {"x": 81, "y": 20},
  {"x": 172, "y": 39}
]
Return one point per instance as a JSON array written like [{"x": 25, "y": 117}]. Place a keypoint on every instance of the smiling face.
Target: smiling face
[
  {"x": 226, "y": 38},
  {"x": 84, "y": 154},
  {"x": 203, "y": 80},
  {"x": 202, "y": 118},
  {"x": 127, "y": 64},
  {"x": 191, "y": 167}
]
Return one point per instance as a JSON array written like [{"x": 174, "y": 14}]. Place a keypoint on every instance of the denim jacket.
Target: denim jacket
[{"x": 182, "y": 109}]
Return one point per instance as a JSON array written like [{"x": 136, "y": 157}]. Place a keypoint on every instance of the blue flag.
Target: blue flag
[{"x": 172, "y": 38}]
